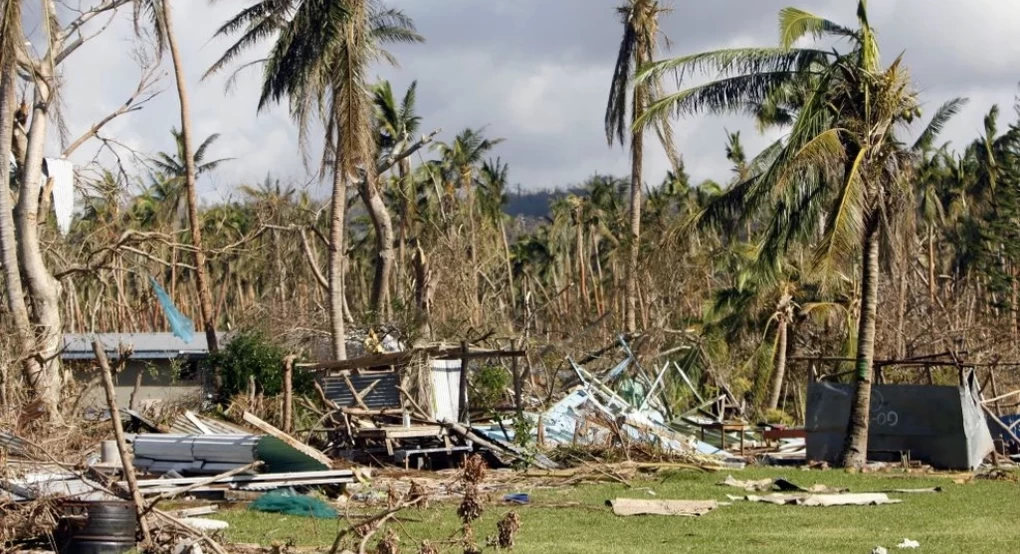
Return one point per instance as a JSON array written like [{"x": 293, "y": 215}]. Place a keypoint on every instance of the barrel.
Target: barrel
[{"x": 109, "y": 528}]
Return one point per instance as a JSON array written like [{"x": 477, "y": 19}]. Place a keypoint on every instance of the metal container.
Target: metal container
[{"x": 109, "y": 527}]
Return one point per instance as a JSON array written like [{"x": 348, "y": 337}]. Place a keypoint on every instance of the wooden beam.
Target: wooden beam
[
  {"x": 389, "y": 359},
  {"x": 268, "y": 429}
]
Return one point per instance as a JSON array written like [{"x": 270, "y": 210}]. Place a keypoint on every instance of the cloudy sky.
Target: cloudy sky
[{"x": 535, "y": 72}]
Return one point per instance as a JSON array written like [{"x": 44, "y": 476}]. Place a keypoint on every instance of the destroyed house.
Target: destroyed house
[
  {"x": 165, "y": 368},
  {"x": 400, "y": 404}
]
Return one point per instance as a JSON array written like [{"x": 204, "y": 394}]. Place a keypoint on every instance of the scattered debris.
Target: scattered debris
[
  {"x": 907, "y": 543},
  {"x": 859, "y": 499},
  {"x": 781, "y": 485},
  {"x": 634, "y": 507},
  {"x": 203, "y": 524},
  {"x": 749, "y": 486},
  {"x": 879, "y": 550}
]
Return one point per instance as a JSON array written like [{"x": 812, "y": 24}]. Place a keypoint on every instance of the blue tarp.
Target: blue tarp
[{"x": 181, "y": 326}]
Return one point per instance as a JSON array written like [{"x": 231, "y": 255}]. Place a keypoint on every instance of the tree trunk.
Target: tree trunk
[
  {"x": 336, "y": 260},
  {"x": 779, "y": 373},
  {"x": 406, "y": 198},
  {"x": 43, "y": 289},
  {"x": 581, "y": 277},
  {"x": 855, "y": 450},
  {"x": 380, "y": 302},
  {"x": 8, "y": 241},
  {"x": 636, "y": 158},
  {"x": 931, "y": 273},
  {"x": 476, "y": 292},
  {"x": 423, "y": 290},
  {"x": 509, "y": 268},
  {"x": 201, "y": 276}
]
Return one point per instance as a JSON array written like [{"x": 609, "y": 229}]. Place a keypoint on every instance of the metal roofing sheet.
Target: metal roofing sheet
[
  {"x": 383, "y": 395},
  {"x": 78, "y": 346},
  {"x": 184, "y": 426}
]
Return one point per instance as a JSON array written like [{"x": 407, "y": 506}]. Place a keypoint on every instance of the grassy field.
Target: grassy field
[{"x": 974, "y": 517}]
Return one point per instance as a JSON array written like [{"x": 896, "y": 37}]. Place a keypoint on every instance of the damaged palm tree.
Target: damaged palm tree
[
  {"x": 319, "y": 64},
  {"x": 841, "y": 157}
]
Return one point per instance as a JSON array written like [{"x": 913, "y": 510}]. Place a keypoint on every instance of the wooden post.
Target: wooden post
[
  {"x": 133, "y": 400},
  {"x": 118, "y": 433},
  {"x": 464, "y": 418},
  {"x": 995, "y": 390},
  {"x": 288, "y": 393},
  {"x": 518, "y": 384}
]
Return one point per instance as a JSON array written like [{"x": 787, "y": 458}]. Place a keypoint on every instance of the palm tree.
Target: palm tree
[
  {"x": 841, "y": 157},
  {"x": 173, "y": 180},
  {"x": 492, "y": 184},
  {"x": 932, "y": 169},
  {"x": 638, "y": 47},
  {"x": 460, "y": 160},
  {"x": 396, "y": 123},
  {"x": 318, "y": 62},
  {"x": 160, "y": 15}
]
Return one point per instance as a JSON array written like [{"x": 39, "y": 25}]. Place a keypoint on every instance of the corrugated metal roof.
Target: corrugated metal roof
[
  {"x": 146, "y": 346},
  {"x": 383, "y": 395},
  {"x": 209, "y": 453},
  {"x": 12, "y": 444},
  {"x": 184, "y": 426}
]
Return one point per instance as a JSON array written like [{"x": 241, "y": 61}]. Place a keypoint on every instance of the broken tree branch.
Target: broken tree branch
[{"x": 118, "y": 432}]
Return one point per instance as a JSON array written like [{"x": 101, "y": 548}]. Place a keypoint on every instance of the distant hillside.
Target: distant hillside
[{"x": 532, "y": 204}]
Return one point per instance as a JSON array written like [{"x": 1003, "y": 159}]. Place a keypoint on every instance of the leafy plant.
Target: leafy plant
[
  {"x": 490, "y": 384},
  {"x": 251, "y": 353}
]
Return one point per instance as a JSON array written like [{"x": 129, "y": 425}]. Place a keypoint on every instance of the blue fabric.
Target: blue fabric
[{"x": 181, "y": 326}]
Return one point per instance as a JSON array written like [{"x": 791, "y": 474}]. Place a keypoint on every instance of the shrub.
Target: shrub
[
  {"x": 490, "y": 384},
  {"x": 252, "y": 353}
]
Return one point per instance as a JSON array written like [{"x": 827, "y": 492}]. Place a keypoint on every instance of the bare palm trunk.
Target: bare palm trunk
[
  {"x": 855, "y": 451},
  {"x": 380, "y": 301},
  {"x": 509, "y": 267},
  {"x": 779, "y": 373},
  {"x": 404, "y": 169},
  {"x": 476, "y": 292},
  {"x": 336, "y": 261},
  {"x": 931, "y": 273},
  {"x": 8, "y": 242},
  {"x": 205, "y": 300},
  {"x": 581, "y": 277},
  {"x": 636, "y": 159}
]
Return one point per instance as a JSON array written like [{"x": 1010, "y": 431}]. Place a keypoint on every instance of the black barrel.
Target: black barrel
[{"x": 109, "y": 528}]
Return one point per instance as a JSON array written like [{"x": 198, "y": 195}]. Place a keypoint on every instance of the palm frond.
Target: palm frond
[
  {"x": 740, "y": 94},
  {"x": 795, "y": 24},
  {"x": 719, "y": 64},
  {"x": 153, "y": 11},
  {"x": 257, "y": 23},
  {"x": 616, "y": 107},
  {"x": 846, "y": 222},
  {"x": 931, "y": 132}
]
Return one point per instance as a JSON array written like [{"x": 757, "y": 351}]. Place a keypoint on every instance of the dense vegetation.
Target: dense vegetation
[{"x": 858, "y": 234}]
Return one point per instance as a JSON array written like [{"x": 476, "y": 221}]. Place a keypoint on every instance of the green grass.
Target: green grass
[{"x": 977, "y": 517}]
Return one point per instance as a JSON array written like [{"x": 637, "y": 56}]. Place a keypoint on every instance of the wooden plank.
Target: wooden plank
[
  {"x": 401, "y": 432},
  {"x": 268, "y": 429},
  {"x": 404, "y": 357},
  {"x": 190, "y": 416}
]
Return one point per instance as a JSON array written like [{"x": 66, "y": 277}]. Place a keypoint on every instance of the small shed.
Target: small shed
[
  {"x": 400, "y": 403},
  {"x": 168, "y": 368}
]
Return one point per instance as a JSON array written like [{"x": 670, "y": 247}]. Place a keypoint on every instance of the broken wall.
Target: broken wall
[{"x": 941, "y": 426}]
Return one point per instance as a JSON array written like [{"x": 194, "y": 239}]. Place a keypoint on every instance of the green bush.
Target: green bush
[
  {"x": 252, "y": 353},
  {"x": 490, "y": 384}
]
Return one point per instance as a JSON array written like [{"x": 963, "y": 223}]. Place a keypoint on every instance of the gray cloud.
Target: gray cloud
[{"x": 536, "y": 72}]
